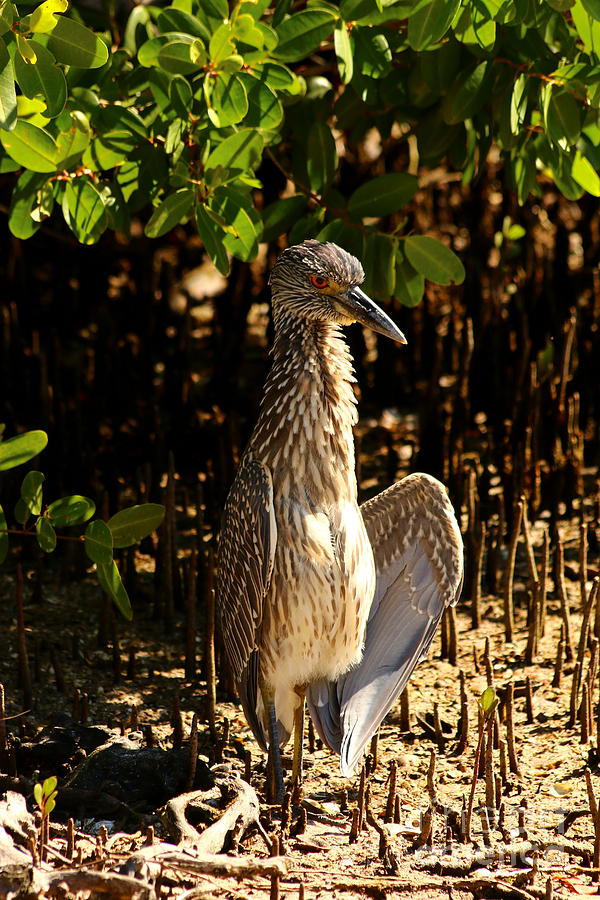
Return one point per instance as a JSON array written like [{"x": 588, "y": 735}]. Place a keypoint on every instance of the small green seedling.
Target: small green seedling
[
  {"x": 45, "y": 795},
  {"x": 488, "y": 702}
]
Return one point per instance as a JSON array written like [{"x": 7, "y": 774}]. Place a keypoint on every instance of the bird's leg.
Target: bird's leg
[
  {"x": 297, "y": 773},
  {"x": 275, "y": 781}
]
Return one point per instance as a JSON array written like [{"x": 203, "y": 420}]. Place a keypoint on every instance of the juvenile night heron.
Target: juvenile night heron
[{"x": 318, "y": 596}]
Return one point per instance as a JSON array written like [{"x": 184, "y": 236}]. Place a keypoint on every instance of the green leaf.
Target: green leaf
[
  {"x": 26, "y": 51},
  {"x": 467, "y": 94},
  {"x": 383, "y": 195},
  {"x": 42, "y": 77},
  {"x": 72, "y": 141},
  {"x": 20, "y": 449},
  {"x": 22, "y": 204},
  {"x": 475, "y": 26},
  {"x": 280, "y": 215},
  {"x": 249, "y": 33},
  {"x": 71, "y": 510},
  {"x": 49, "y": 785},
  {"x": 264, "y": 109},
  {"x": 50, "y": 804},
  {"x": 372, "y": 53},
  {"x": 214, "y": 9},
  {"x": 586, "y": 175},
  {"x": 592, "y": 8},
  {"x": 38, "y": 794},
  {"x": 430, "y": 76},
  {"x": 238, "y": 211},
  {"x": 110, "y": 149},
  {"x": 8, "y": 14},
  {"x": 44, "y": 202},
  {"x": 518, "y": 104},
  {"x": 212, "y": 237},
  {"x": 31, "y": 492},
  {"x": 110, "y": 582},
  {"x": 175, "y": 58},
  {"x": 228, "y": 101},
  {"x": 350, "y": 10},
  {"x": 434, "y": 260},
  {"x": 429, "y": 23},
  {"x": 175, "y": 140},
  {"x": 32, "y": 110},
  {"x": 99, "y": 542},
  {"x": 410, "y": 284},
  {"x": 524, "y": 174},
  {"x": 277, "y": 76},
  {"x": 237, "y": 154},
  {"x": 256, "y": 44},
  {"x": 21, "y": 511},
  {"x": 46, "y": 535},
  {"x": 170, "y": 212},
  {"x": 31, "y": 146},
  {"x": 587, "y": 27},
  {"x": 172, "y": 19},
  {"x": 3, "y": 537},
  {"x": 484, "y": 26},
  {"x": 321, "y": 157},
  {"x": 44, "y": 17},
  {"x": 301, "y": 34},
  {"x": 8, "y": 96},
  {"x": 181, "y": 97},
  {"x": 379, "y": 263},
  {"x": 488, "y": 699},
  {"x": 148, "y": 52},
  {"x": 75, "y": 45},
  {"x": 343, "y": 52},
  {"x": 221, "y": 43},
  {"x": 231, "y": 64},
  {"x": 515, "y": 232},
  {"x": 135, "y": 523},
  {"x": 83, "y": 209},
  {"x": 198, "y": 53},
  {"x": 563, "y": 116},
  {"x": 117, "y": 118}
]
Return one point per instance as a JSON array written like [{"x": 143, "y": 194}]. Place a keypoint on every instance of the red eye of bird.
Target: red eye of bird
[{"x": 319, "y": 282}]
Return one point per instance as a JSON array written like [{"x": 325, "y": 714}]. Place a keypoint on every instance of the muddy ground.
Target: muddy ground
[{"x": 542, "y": 841}]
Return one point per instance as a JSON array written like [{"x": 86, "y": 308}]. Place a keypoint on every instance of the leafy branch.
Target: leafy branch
[
  {"x": 100, "y": 539},
  {"x": 170, "y": 120}
]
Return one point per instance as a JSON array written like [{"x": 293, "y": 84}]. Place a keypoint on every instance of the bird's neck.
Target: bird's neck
[{"x": 309, "y": 406}]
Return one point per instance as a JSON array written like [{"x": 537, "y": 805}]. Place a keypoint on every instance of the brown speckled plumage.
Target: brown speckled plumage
[{"x": 297, "y": 572}]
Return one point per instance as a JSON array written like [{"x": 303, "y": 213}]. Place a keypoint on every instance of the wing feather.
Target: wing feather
[
  {"x": 244, "y": 568},
  {"x": 418, "y": 557}
]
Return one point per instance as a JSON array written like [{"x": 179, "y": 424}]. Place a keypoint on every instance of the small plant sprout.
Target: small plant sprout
[
  {"x": 44, "y": 795},
  {"x": 488, "y": 703}
]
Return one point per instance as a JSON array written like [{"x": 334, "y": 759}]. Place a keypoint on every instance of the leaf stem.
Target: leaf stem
[{"x": 27, "y": 533}]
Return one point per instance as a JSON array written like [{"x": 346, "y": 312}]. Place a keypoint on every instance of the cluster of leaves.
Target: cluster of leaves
[
  {"x": 100, "y": 539},
  {"x": 180, "y": 110}
]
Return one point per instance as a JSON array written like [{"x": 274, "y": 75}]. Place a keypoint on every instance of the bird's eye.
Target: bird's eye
[{"x": 319, "y": 282}]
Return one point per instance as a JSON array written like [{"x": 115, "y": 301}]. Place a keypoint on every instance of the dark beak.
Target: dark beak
[{"x": 365, "y": 311}]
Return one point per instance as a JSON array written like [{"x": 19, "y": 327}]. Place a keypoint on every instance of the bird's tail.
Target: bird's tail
[{"x": 347, "y": 713}]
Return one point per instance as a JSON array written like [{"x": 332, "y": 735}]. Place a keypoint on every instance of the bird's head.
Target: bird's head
[{"x": 320, "y": 282}]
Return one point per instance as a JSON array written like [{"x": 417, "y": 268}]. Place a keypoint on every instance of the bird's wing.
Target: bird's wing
[
  {"x": 418, "y": 557},
  {"x": 245, "y": 564}
]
